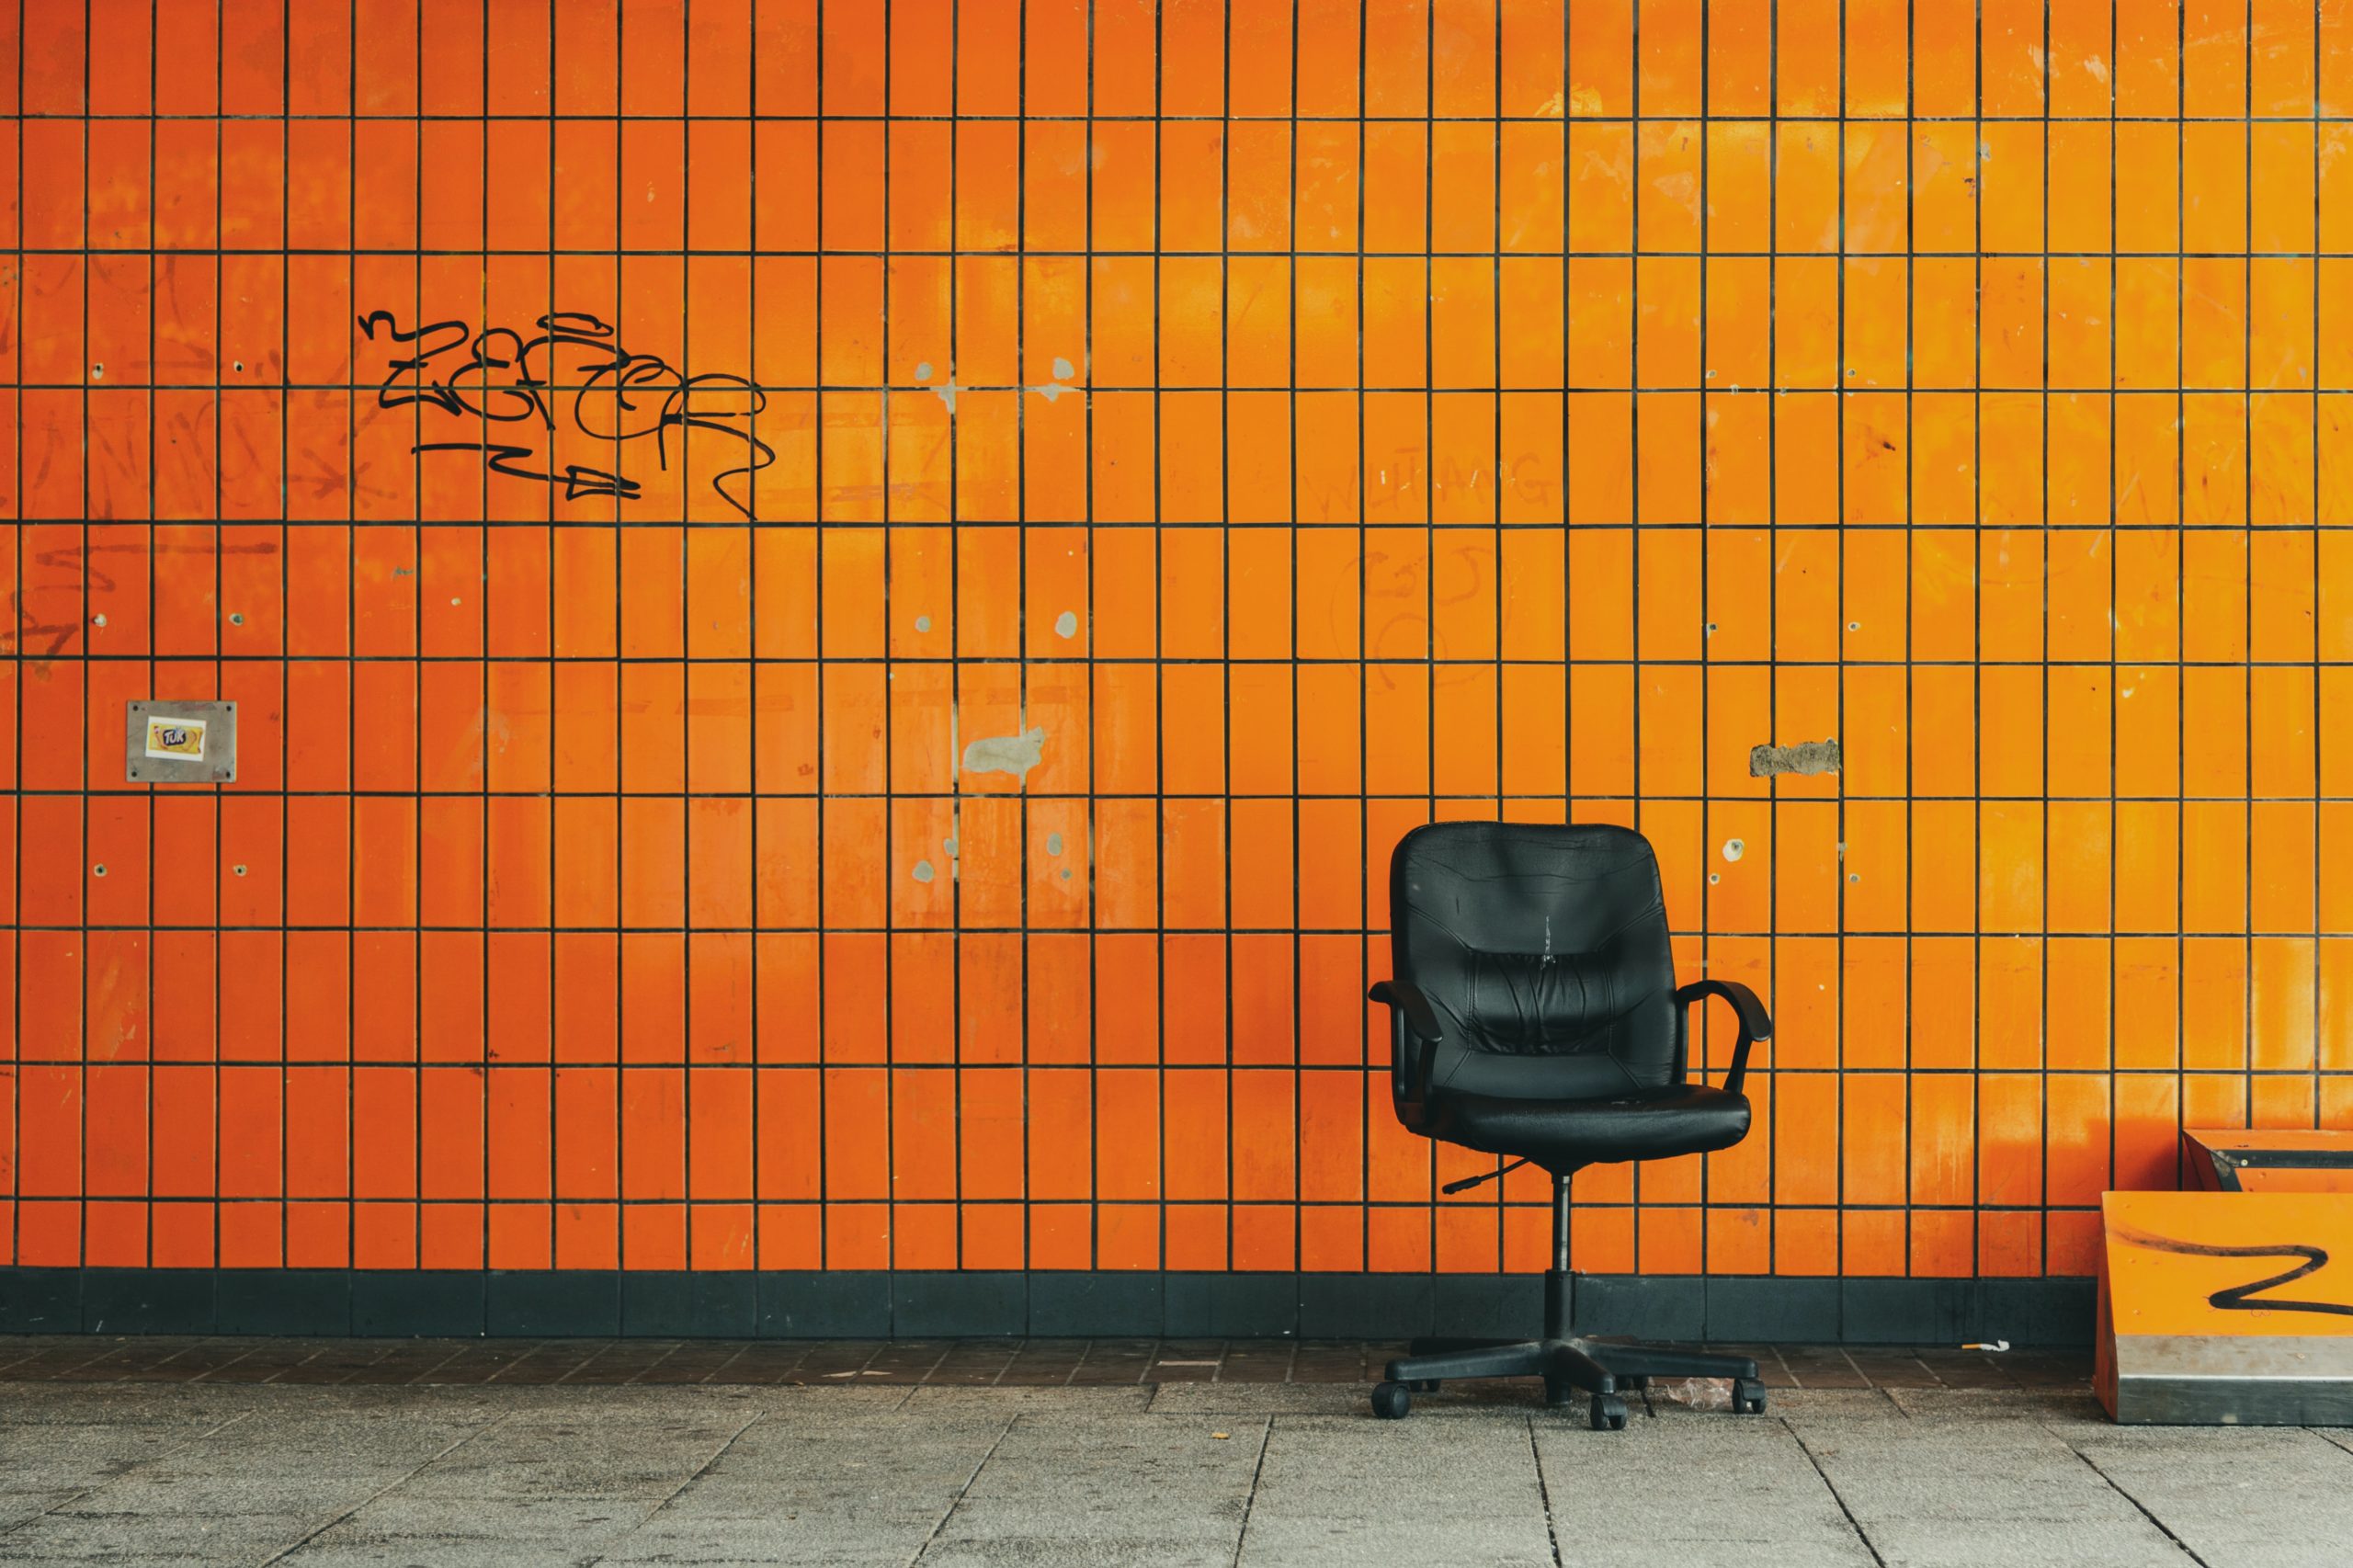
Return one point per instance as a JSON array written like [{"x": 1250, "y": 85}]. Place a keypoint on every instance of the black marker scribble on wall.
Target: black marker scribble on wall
[
  {"x": 571, "y": 366},
  {"x": 2242, "y": 1298}
]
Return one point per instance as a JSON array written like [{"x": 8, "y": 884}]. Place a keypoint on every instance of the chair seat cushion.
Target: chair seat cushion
[{"x": 1642, "y": 1124}]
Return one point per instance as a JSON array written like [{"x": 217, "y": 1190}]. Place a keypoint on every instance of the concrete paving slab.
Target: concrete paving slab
[
  {"x": 1831, "y": 1405},
  {"x": 1259, "y": 1399},
  {"x": 2040, "y": 1544},
  {"x": 1940, "y": 1493},
  {"x": 788, "y": 1538},
  {"x": 1360, "y": 1491},
  {"x": 2055, "y": 1408},
  {"x": 2251, "y": 1497},
  {"x": 1162, "y": 1492},
  {"x": 21, "y": 1504},
  {"x": 815, "y": 1403},
  {"x": 866, "y": 1476},
  {"x": 314, "y": 1451},
  {"x": 84, "y": 1538},
  {"x": 586, "y": 1527},
  {"x": 264, "y": 1489},
  {"x": 1738, "y": 1482},
  {"x": 846, "y": 1492},
  {"x": 1097, "y": 1401},
  {"x": 49, "y": 1467},
  {"x": 438, "y": 1554},
  {"x": 1485, "y": 1397},
  {"x": 546, "y": 1455},
  {"x": 59, "y": 1453},
  {"x": 82, "y": 1405}
]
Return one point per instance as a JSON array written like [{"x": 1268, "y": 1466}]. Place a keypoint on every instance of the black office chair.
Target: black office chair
[{"x": 1536, "y": 1016}]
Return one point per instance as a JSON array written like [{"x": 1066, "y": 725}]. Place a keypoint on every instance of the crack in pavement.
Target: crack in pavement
[
  {"x": 2119, "y": 1488},
  {"x": 1836, "y": 1497},
  {"x": 406, "y": 1477},
  {"x": 964, "y": 1491}
]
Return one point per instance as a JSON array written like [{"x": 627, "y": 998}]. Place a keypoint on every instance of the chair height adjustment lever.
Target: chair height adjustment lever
[{"x": 1467, "y": 1183}]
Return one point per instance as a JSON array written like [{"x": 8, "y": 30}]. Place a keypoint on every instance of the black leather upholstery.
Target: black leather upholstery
[
  {"x": 1541, "y": 955},
  {"x": 1642, "y": 1124}
]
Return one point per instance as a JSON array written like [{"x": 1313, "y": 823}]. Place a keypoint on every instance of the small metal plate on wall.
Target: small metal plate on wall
[{"x": 180, "y": 742}]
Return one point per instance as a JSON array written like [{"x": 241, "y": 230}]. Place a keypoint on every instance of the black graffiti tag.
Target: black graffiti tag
[{"x": 572, "y": 366}]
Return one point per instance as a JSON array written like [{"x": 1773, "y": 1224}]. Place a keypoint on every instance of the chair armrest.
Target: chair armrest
[
  {"x": 1756, "y": 1023},
  {"x": 1410, "y": 1014},
  {"x": 1411, "y": 1004}
]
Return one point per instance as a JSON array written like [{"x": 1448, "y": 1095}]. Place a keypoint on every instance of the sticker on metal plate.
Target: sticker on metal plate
[
  {"x": 181, "y": 742},
  {"x": 174, "y": 739}
]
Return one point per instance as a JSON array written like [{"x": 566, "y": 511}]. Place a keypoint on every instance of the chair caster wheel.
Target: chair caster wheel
[
  {"x": 1748, "y": 1397},
  {"x": 1609, "y": 1413},
  {"x": 1424, "y": 1385},
  {"x": 1391, "y": 1400}
]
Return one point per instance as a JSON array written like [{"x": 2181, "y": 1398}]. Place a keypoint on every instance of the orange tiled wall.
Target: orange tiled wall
[{"x": 879, "y": 762}]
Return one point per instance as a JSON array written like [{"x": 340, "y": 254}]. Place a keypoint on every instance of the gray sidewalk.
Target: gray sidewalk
[{"x": 1155, "y": 1473}]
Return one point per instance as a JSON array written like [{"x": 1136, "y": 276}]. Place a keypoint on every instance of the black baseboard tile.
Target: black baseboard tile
[
  {"x": 659, "y": 1303},
  {"x": 147, "y": 1300},
  {"x": 301, "y": 1302},
  {"x": 1368, "y": 1306},
  {"x": 846, "y": 1304},
  {"x": 946, "y": 1304},
  {"x": 1487, "y": 1306},
  {"x": 40, "y": 1301},
  {"x": 552, "y": 1304},
  {"x": 1906, "y": 1312},
  {"x": 678, "y": 1303},
  {"x": 1230, "y": 1306},
  {"x": 724, "y": 1306},
  {"x": 2057, "y": 1313},
  {"x": 1656, "y": 1306},
  {"x": 1761, "y": 1309},
  {"x": 1089, "y": 1305},
  {"x": 418, "y": 1303},
  {"x": 1008, "y": 1304}
]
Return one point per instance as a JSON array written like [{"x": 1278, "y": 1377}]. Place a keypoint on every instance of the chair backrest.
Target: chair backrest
[{"x": 1543, "y": 949}]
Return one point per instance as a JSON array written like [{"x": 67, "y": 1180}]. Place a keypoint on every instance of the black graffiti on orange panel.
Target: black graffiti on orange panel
[{"x": 2248, "y": 1298}]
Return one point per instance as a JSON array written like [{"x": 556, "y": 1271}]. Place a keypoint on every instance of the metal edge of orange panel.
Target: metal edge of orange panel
[
  {"x": 2288, "y": 1159},
  {"x": 2200, "y": 1156}
]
